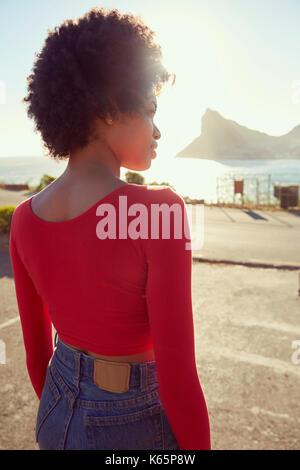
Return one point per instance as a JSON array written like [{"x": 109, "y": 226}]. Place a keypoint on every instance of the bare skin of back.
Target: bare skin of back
[{"x": 59, "y": 202}]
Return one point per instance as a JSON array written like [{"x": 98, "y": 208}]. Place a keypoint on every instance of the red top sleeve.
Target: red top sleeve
[
  {"x": 35, "y": 321},
  {"x": 169, "y": 303}
]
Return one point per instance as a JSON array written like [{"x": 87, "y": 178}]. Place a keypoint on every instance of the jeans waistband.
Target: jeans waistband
[{"x": 141, "y": 373}]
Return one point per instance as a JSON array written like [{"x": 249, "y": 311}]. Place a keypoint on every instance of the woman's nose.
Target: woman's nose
[{"x": 156, "y": 133}]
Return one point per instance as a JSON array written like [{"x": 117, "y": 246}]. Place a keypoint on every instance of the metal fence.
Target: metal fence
[{"x": 255, "y": 189}]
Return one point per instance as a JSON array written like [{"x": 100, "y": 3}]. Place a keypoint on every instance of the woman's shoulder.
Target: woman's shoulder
[
  {"x": 157, "y": 193},
  {"x": 20, "y": 209}
]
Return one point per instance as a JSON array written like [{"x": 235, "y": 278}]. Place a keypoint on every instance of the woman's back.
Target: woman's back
[{"x": 59, "y": 202}]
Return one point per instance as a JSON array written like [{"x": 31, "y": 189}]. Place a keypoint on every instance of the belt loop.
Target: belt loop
[
  {"x": 77, "y": 367},
  {"x": 77, "y": 357},
  {"x": 143, "y": 376}
]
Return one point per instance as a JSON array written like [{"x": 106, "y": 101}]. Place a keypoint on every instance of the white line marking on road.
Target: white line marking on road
[
  {"x": 261, "y": 411},
  {"x": 276, "y": 365},
  {"x": 280, "y": 327},
  {"x": 9, "y": 322}
]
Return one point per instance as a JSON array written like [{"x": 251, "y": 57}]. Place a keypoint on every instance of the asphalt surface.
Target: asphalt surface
[
  {"x": 254, "y": 237},
  {"x": 246, "y": 322}
]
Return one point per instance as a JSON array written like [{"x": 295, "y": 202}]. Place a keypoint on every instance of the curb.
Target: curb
[{"x": 289, "y": 267}]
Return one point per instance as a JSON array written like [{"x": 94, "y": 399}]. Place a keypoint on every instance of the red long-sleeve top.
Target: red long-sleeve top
[{"x": 114, "y": 296}]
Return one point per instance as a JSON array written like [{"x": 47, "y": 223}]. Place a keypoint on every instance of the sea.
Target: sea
[{"x": 210, "y": 180}]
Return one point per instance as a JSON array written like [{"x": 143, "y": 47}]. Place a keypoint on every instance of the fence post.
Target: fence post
[
  {"x": 269, "y": 188},
  {"x": 233, "y": 191}
]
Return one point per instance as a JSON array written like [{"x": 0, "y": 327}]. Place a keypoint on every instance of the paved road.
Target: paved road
[
  {"x": 12, "y": 198},
  {"x": 235, "y": 235}
]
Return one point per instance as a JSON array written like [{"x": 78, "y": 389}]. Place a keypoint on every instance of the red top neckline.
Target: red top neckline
[{"x": 80, "y": 216}]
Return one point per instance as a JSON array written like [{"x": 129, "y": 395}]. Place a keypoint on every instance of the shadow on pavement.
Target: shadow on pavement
[
  {"x": 254, "y": 215},
  {"x": 5, "y": 265},
  {"x": 295, "y": 212}
]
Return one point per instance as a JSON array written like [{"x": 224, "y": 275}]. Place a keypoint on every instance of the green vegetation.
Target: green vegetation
[
  {"x": 134, "y": 178},
  {"x": 137, "y": 178},
  {"x": 6, "y": 213},
  {"x": 45, "y": 180}
]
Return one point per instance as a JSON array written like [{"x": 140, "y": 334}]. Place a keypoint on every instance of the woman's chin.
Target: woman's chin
[{"x": 142, "y": 166}]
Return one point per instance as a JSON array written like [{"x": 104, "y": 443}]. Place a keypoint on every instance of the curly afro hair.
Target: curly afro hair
[{"x": 86, "y": 68}]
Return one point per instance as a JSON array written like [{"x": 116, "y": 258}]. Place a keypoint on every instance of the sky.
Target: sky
[{"x": 238, "y": 57}]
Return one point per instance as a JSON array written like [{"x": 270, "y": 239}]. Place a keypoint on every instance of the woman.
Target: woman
[{"x": 123, "y": 373}]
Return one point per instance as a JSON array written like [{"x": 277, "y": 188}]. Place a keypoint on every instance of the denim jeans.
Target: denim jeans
[{"x": 74, "y": 413}]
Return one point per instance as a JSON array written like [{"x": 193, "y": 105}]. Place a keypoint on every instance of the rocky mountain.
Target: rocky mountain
[{"x": 223, "y": 139}]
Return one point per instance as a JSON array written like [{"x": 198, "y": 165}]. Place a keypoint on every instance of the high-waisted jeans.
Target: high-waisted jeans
[{"x": 74, "y": 413}]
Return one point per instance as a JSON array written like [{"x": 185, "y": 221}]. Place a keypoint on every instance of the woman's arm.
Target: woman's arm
[
  {"x": 35, "y": 321},
  {"x": 169, "y": 302}
]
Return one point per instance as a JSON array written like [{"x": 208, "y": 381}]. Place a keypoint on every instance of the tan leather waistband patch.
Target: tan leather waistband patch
[{"x": 112, "y": 376}]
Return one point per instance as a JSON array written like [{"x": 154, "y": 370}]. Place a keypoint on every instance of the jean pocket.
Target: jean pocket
[
  {"x": 139, "y": 430},
  {"x": 48, "y": 402}
]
